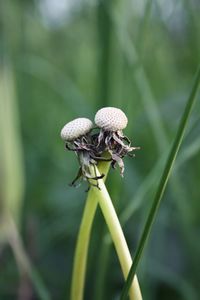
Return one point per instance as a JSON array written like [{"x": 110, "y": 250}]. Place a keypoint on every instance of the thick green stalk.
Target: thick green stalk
[
  {"x": 162, "y": 185},
  {"x": 102, "y": 197},
  {"x": 81, "y": 252},
  {"x": 117, "y": 235}
]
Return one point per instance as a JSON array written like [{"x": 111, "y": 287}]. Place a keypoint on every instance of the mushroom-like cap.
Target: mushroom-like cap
[
  {"x": 75, "y": 129},
  {"x": 111, "y": 119}
]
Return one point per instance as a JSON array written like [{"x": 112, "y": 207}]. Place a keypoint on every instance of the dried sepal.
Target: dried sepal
[
  {"x": 112, "y": 121},
  {"x": 77, "y": 138}
]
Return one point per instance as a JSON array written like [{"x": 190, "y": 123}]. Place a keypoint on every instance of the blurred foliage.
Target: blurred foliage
[
  {"x": 12, "y": 184},
  {"x": 64, "y": 59}
]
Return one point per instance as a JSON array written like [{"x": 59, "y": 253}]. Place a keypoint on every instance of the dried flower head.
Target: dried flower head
[
  {"x": 111, "y": 122},
  {"x": 76, "y": 129},
  {"x": 77, "y": 138},
  {"x": 111, "y": 119},
  {"x": 90, "y": 147}
]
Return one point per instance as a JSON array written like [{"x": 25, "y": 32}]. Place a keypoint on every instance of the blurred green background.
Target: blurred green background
[{"x": 62, "y": 59}]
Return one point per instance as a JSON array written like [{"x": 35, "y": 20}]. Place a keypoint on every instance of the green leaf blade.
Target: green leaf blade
[{"x": 162, "y": 185}]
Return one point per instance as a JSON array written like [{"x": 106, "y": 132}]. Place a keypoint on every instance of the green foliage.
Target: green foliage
[{"x": 162, "y": 185}]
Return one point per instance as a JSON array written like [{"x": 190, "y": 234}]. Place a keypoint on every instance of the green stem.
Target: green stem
[
  {"x": 162, "y": 185},
  {"x": 117, "y": 235},
  {"x": 81, "y": 252},
  {"x": 100, "y": 195}
]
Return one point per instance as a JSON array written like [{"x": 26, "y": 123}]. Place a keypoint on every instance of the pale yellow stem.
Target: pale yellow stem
[
  {"x": 117, "y": 235},
  {"x": 102, "y": 197}
]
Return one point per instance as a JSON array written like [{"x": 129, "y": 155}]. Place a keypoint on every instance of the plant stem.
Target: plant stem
[
  {"x": 100, "y": 195},
  {"x": 81, "y": 252},
  {"x": 162, "y": 185},
  {"x": 116, "y": 234}
]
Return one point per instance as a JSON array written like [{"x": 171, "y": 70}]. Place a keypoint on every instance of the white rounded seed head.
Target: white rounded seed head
[
  {"x": 111, "y": 119},
  {"x": 76, "y": 128}
]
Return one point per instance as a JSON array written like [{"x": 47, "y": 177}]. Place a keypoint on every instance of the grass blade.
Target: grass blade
[{"x": 162, "y": 185}]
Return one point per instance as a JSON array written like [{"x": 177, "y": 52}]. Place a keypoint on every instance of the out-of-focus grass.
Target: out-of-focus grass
[
  {"x": 162, "y": 184},
  {"x": 11, "y": 156},
  {"x": 13, "y": 182}
]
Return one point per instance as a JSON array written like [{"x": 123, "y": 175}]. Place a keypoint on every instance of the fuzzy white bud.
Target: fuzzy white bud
[
  {"x": 111, "y": 119},
  {"x": 76, "y": 128}
]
